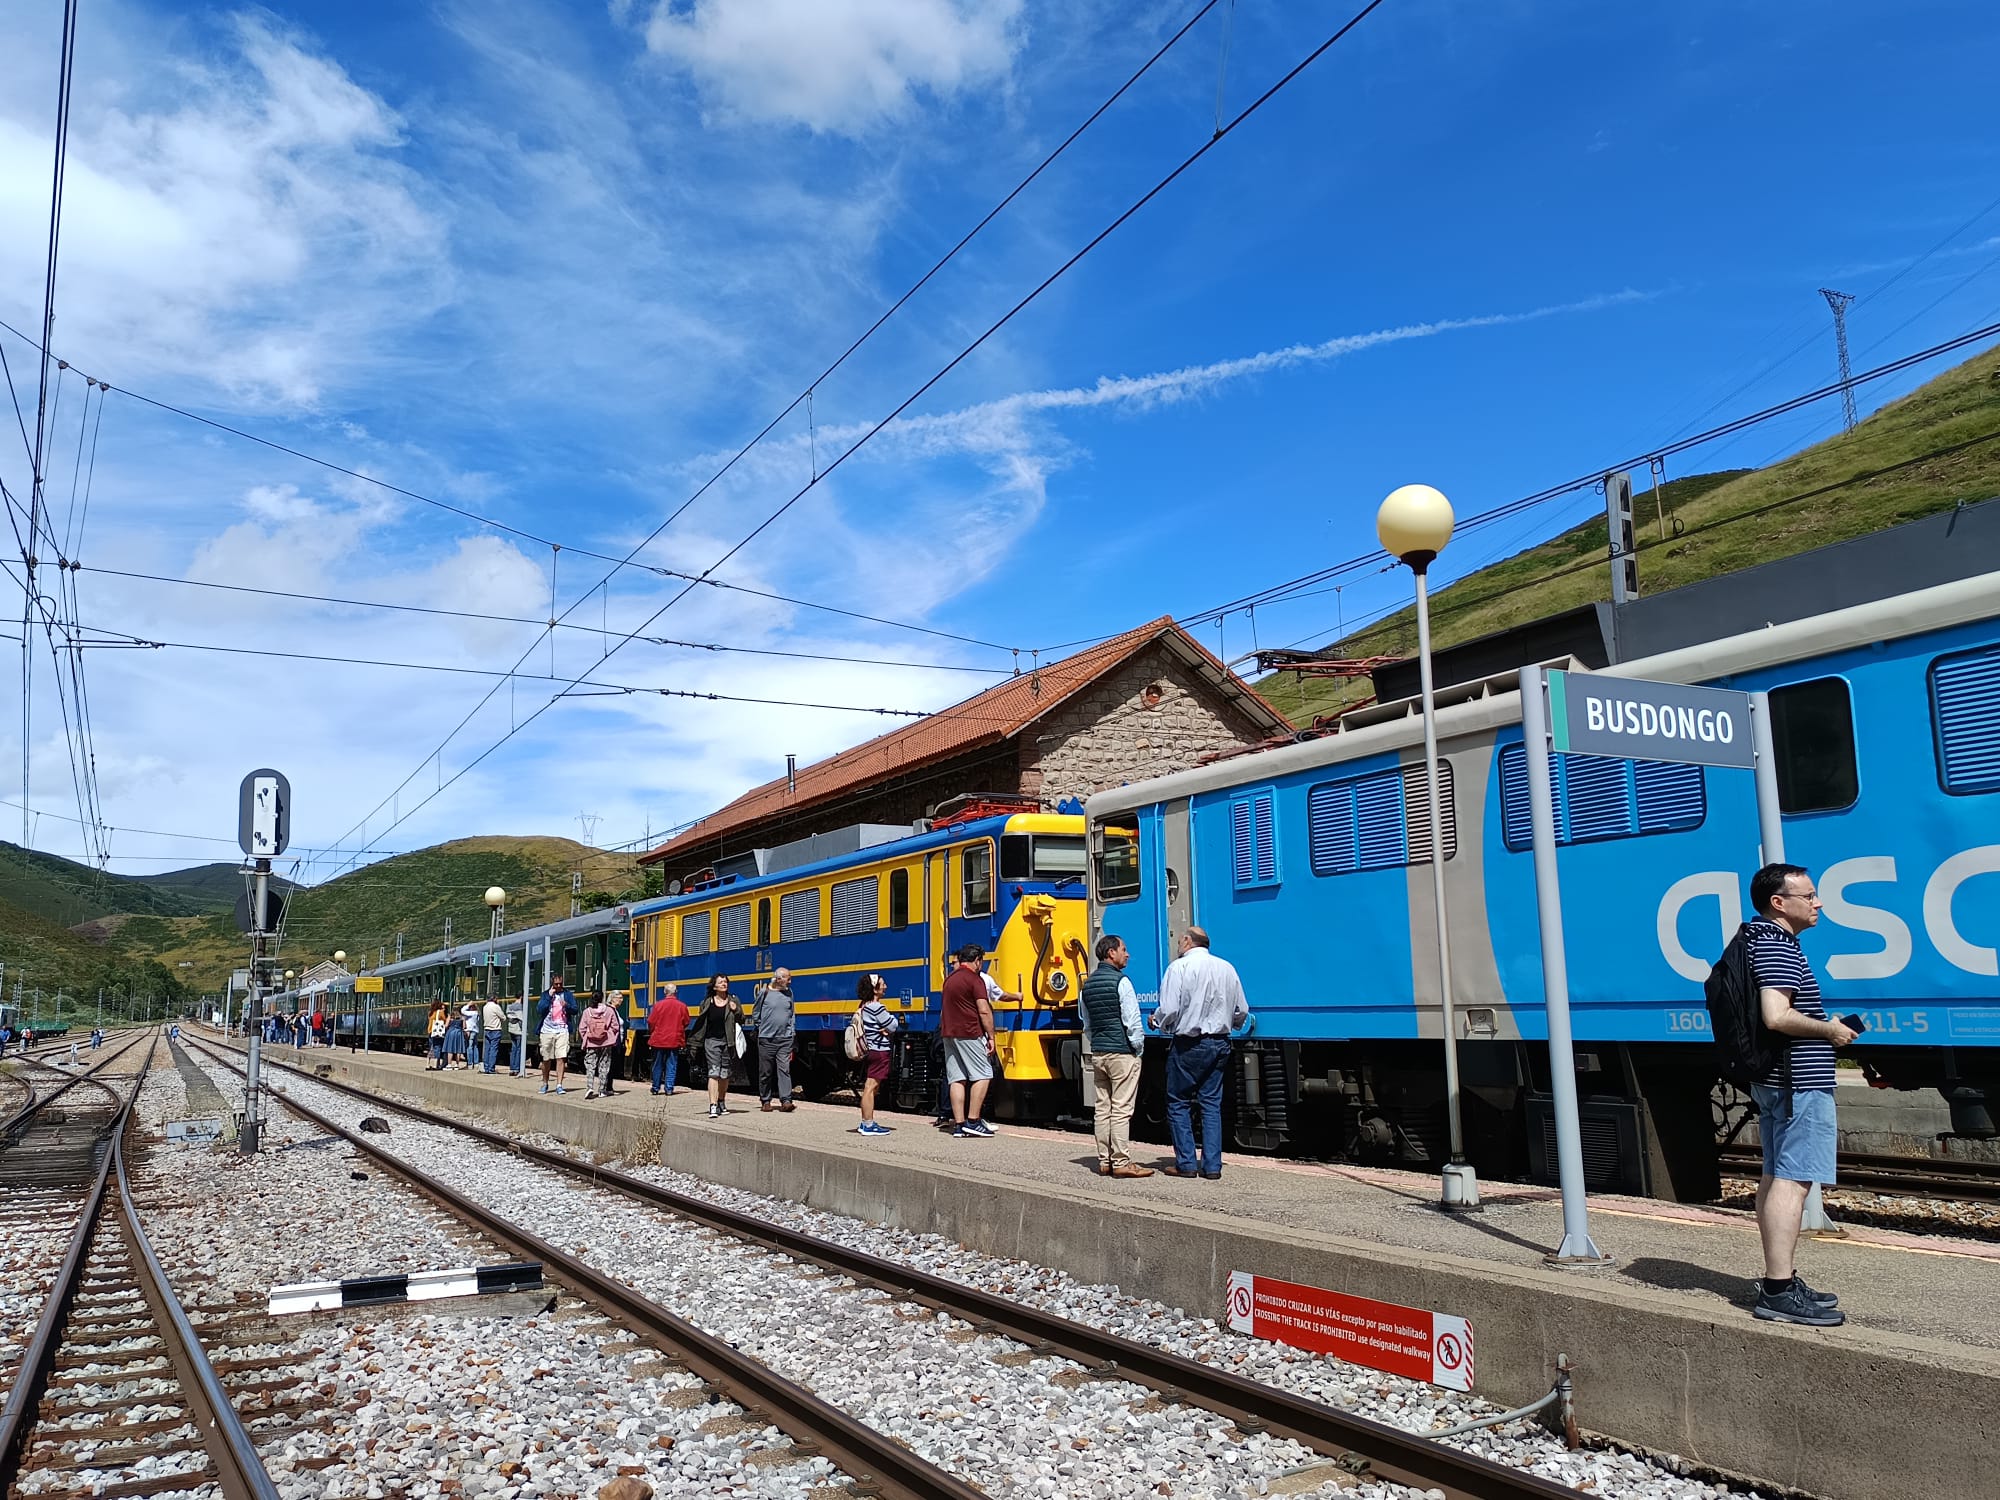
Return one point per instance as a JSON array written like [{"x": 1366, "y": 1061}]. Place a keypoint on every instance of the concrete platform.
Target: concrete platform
[{"x": 1903, "y": 1400}]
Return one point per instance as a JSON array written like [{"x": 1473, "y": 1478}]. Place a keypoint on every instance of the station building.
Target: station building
[{"x": 1141, "y": 704}]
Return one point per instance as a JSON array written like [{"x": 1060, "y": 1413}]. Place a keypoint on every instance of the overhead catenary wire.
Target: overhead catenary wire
[
  {"x": 349, "y": 601},
  {"x": 1007, "y": 317}
]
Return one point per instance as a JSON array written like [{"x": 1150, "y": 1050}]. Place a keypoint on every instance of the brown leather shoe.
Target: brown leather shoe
[
  {"x": 1131, "y": 1169},
  {"x": 1177, "y": 1172},
  {"x": 767, "y": 1106},
  {"x": 1104, "y": 1169},
  {"x": 787, "y": 1107}
]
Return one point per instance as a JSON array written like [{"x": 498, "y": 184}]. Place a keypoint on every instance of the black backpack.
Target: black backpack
[{"x": 1745, "y": 1049}]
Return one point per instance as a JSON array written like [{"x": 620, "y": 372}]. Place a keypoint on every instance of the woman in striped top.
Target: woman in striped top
[{"x": 876, "y": 1024}]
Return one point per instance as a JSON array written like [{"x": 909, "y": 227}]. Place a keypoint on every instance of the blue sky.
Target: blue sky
[{"x": 552, "y": 263}]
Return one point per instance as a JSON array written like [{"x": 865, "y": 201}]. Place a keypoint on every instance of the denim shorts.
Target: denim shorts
[{"x": 1798, "y": 1132}]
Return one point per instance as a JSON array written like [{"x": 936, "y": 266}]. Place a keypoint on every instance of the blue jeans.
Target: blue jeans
[
  {"x": 489, "y": 1046},
  {"x": 520, "y": 1042},
  {"x": 666, "y": 1064},
  {"x": 1194, "y": 1072}
]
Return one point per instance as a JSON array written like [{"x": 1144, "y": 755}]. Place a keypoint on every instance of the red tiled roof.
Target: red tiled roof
[{"x": 987, "y": 718}]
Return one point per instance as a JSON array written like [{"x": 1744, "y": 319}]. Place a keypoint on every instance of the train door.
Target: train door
[
  {"x": 1177, "y": 882},
  {"x": 937, "y": 905}
]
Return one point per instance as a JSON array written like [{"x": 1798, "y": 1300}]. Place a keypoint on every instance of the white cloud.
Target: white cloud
[
  {"x": 240, "y": 211},
  {"x": 834, "y": 65}
]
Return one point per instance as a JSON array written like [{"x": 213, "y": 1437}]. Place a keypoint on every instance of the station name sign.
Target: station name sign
[{"x": 1633, "y": 719}]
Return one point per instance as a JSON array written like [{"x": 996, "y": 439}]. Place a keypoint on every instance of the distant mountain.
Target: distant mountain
[
  {"x": 208, "y": 888},
  {"x": 68, "y": 894}
]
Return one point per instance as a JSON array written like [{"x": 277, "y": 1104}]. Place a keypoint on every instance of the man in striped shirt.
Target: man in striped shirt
[{"x": 1795, "y": 1118}]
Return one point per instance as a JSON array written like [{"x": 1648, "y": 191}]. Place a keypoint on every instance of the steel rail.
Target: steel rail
[
  {"x": 27, "y": 1112},
  {"x": 1898, "y": 1176},
  {"x": 1357, "y": 1443},
  {"x": 876, "y": 1465},
  {"x": 238, "y": 1470}
]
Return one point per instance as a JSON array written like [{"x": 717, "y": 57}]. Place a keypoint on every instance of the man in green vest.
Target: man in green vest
[{"x": 1111, "y": 1020}]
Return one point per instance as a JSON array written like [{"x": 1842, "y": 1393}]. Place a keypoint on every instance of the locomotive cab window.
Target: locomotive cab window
[
  {"x": 1016, "y": 857},
  {"x": 1812, "y": 731},
  {"x": 1118, "y": 864},
  {"x": 764, "y": 922},
  {"x": 975, "y": 865},
  {"x": 899, "y": 898}
]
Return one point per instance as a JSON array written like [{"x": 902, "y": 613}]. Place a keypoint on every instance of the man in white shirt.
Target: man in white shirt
[{"x": 1201, "y": 1002}]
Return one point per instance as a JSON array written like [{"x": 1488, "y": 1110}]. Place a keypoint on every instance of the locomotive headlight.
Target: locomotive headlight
[{"x": 1058, "y": 983}]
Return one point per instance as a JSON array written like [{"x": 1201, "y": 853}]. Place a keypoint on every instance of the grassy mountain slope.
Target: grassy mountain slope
[
  {"x": 65, "y": 892},
  {"x": 1932, "y": 449},
  {"x": 206, "y": 888},
  {"x": 412, "y": 894}
]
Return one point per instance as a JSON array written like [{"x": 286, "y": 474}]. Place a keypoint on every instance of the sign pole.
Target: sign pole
[
  {"x": 246, "y": 1140},
  {"x": 1577, "y": 1247}
]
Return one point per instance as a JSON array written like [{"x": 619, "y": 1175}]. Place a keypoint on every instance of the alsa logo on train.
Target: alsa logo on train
[{"x": 1844, "y": 909}]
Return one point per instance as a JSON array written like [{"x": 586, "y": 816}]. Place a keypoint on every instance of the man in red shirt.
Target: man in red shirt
[
  {"x": 965, "y": 1022},
  {"x": 666, "y": 1033}
]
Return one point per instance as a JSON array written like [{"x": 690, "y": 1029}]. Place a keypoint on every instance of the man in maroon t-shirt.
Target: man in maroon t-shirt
[{"x": 966, "y": 1024}]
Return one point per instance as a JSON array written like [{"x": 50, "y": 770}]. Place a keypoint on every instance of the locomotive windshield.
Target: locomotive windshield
[{"x": 1042, "y": 856}]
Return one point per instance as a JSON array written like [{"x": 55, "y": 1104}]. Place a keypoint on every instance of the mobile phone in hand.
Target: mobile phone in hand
[{"x": 1853, "y": 1023}]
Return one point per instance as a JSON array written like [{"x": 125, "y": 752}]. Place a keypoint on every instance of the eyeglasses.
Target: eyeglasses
[{"x": 1800, "y": 895}]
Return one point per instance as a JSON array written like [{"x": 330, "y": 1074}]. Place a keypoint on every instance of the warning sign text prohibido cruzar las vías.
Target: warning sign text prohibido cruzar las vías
[{"x": 1405, "y": 1341}]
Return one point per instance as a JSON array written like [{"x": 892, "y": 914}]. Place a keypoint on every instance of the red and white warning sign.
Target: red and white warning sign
[{"x": 1405, "y": 1341}]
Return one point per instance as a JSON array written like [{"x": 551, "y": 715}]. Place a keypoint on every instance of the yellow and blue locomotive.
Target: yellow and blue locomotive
[{"x": 888, "y": 900}]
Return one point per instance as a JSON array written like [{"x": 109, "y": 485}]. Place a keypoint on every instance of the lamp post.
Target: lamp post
[
  {"x": 496, "y": 903},
  {"x": 1414, "y": 524}
]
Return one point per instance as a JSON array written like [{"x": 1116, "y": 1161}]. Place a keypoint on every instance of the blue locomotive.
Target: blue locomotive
[{"x": 1308, "y": 867}]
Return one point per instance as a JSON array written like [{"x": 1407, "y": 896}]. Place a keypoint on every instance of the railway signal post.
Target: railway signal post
[{"x": 263, "y": 830}]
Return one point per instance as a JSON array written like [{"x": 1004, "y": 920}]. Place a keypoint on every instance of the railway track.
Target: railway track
[
  {"x": 111, "y": 1395},
  {"x": 1897, "y": 1176},
  {"x": 1356, "y": 1444}
]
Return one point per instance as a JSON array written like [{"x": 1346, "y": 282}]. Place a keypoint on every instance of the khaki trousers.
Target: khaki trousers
[{"x": 1117, "y": 1078}]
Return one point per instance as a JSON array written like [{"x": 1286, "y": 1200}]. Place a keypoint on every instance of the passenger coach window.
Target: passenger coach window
[
  {"x": 1118, "y": 865},
  {"x": 899, "y": 898},
  {"x": 976, "y": 866},
  {"x": 1965, "y": 706},
  {"x": 1812, "y": 730}
]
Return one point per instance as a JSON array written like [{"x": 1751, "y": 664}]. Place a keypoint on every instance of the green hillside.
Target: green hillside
[
  {"x": 67, "y": 893},
  {"x": 1935, "y": 448},
  {"x": 206, "y": 888},
  {"x": 43, "y": 955},
  {"x": 362, "y": 912}
]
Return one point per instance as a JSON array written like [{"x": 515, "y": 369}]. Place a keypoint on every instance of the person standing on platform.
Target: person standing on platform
[
  {"x": 1117, "y": 1043},
  {"x": 470, "y": 1014},
  {"x": 614, "y": 1059},
  {"x": 553, "y": 1017},
  {"x": 777, "y": 1034},
  {"x": 1201, "y": 1002},
  {"x": 600, "y": 1035},
  {"x": 666, "y": 1034},
  {"x": 434, "y": 1029},
  {"x": 965, "y": 1020},
  {"x": 454, "y": 1040},
  {"x": 876, "y": 1025},
  {"x": 492, "y": 1027},
  {"x": 1795, "y": 1115},
  {"x": 717, "y": 1024},
  {"x": 997, "y": 996}
]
